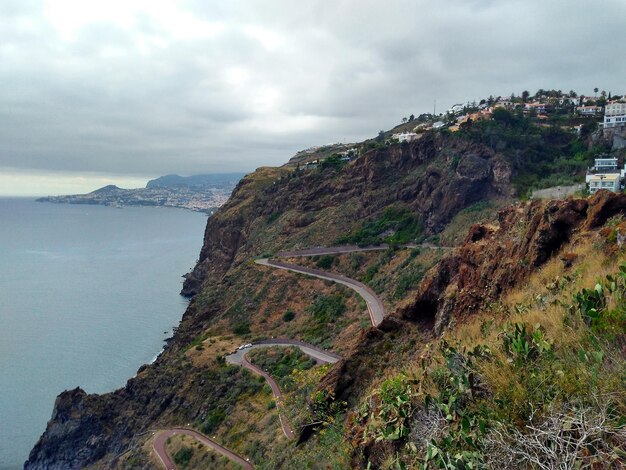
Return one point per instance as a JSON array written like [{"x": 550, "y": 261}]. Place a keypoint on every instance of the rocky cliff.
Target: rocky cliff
[
  {"x": 275, "y": 209},
  {"x": 493, "y": 259}
]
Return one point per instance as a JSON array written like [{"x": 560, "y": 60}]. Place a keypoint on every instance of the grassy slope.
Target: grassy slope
[
  {"x": 472, "y": 394},
  {"x": 252, "y": 302}
]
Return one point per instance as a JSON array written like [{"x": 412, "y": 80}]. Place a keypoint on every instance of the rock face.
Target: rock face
[
  {"x": 490, "y": 261},
  {"x": 493, "y": 260},
  {"x": 68, "y": 423},
  {"x": 435, "y": 177}
]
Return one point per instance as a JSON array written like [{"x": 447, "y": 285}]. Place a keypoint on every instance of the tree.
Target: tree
[
  {"x": 411, "y": 118},
  {"x": 525, "y": 95},
  {"x": 572, "y": 94},
  {"x": 595, "y": 90},
  {"x": 404, "y": 120},
  {"x": 381, "y": 136},
  {"x": 503, "y": 116}
]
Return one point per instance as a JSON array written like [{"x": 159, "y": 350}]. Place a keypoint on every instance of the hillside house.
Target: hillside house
[
  {"x": 505, "y": 104},
  {"x": 605, "y": 174},
  {"x": 539, "y": 108},
  {"x": 588, "y": 111},
  {"x": 312, "y": 165},
  {"x": 457, "y": 108},
  {"x": 405, "y": 136},
  {"x": 605, "y": 165},
  {"x": 611, "y": 181},
  {"x": 614, "y": 115}
]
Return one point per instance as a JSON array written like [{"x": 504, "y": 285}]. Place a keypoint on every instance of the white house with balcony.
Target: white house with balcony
[
  {"x": 611, "y": 181},
  {"x": 605, "y": 174},
  {"x": 605, "y": 165},
  {"x": 588, "y": 110},
  {"x": 614, "y": 115}
]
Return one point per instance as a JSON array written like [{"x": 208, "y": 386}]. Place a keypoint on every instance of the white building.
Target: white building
[
  {"x": 540, "y": 108},
  {"x": 605, "y": 165},
  {"x": 614, "y": 115},
  {"x": 610, "y": 181},
  {"x": 605, "y": 174},
  {"x": 615, "y": 108},
  {"x": 588, "y": 110},
  {"x": 407, "y": 136},
  {"x": 457, "y": 108}
]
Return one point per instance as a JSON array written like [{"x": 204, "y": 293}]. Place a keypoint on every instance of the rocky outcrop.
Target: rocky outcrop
[
  {"x": 436, "y": 177},
  {"x": 494, "y": 259},
  {"x": 69, "y": 422},
  {"x": 491, "y": 260}
]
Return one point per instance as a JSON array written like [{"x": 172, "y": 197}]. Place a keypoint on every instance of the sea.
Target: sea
[{"x": 87, "y": 295}]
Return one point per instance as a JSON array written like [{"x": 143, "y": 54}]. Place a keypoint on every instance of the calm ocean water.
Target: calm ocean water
[{"x": 87, "y": 295}]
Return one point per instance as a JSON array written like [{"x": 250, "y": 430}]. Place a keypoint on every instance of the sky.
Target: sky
[{"x": 125, "y": 90}]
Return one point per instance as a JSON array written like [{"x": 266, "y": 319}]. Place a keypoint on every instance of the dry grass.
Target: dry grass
[
  {"x": 211, "y": 348},
  {"x": 202, "y": 457}
]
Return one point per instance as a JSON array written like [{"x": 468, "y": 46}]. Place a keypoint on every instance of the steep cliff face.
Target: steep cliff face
[
  {"x": 435, "y": 177},
  {"x": 492, "y": 260},
  {"x": 271, "y": 210}
]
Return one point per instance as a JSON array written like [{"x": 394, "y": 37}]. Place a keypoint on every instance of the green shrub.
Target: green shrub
[
  {"x": 603, "y": 308},
  {"x": 397, "y": 225},
  {"x": 327, "y": 308},
  {"x": 409, "y": 279},
  {"x": 183, "y": 456},
  {"x": 325, "y": 262},
  {"x": 280, "y": 362},
  {"x": 273, "y": 217},
  {"x": 523, "y": 346},
  {"x": 242, "y": 327}
]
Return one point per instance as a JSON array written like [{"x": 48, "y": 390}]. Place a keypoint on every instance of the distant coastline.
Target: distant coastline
[{"x": 200, "y": 193}]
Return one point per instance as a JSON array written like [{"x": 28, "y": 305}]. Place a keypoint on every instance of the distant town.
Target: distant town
[
  {"x": 601, "y": 116},
  {"x": 201, "y": 193}
]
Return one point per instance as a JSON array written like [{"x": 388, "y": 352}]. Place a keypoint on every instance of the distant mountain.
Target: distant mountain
[
  {"x": 111, "y": 188},
  {"x": 216, "y": 179}
]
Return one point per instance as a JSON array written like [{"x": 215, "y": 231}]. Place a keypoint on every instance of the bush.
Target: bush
[
  {"x": 327, "y": 308},
  {"x": 289, "y": 315},
  {"x": 183, "y": 456},
  {"x": 280, "y": 363},
  {"x": 241, "y": 328},
  {"x": 397, "y": 225},
  {"x": 325, "y": 262},
  {"x": 273, "y": 217}
]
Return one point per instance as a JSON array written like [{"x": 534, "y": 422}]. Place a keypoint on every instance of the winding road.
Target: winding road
[
  {"x": 239, "y": 358},
  {"x": 374, "y": 304},
  {"x": 376, "y": 312}
]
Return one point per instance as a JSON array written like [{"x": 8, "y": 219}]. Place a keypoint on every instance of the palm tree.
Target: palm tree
[{"x": 595, "y": 90}]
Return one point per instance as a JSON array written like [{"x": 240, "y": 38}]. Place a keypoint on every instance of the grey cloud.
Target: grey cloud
[{"x": 279, "y": 76}]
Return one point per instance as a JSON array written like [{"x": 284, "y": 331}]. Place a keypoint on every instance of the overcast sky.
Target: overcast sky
[{"x": 94, "y": 91}]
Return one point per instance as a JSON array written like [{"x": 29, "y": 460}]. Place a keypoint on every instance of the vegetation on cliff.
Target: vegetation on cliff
[{"x": 488, "y": 343}]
